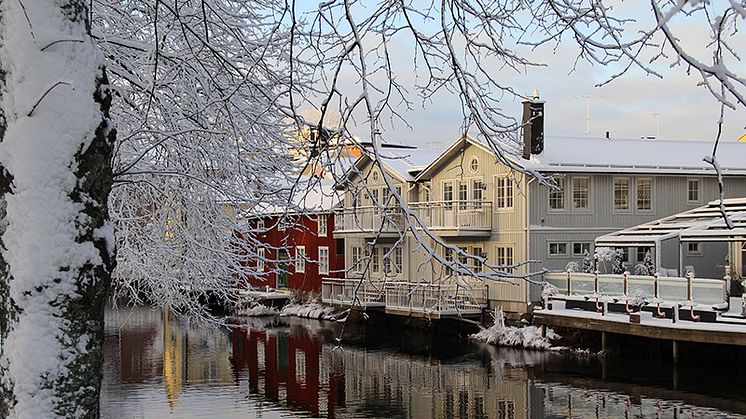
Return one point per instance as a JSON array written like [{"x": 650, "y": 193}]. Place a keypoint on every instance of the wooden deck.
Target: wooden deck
[{"x": 682, "y": 331}]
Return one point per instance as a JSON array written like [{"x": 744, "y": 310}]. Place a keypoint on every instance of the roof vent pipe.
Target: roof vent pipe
[{"x": 532, "y": 123}]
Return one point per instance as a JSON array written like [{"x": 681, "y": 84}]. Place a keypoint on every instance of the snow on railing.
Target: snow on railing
[
  {"x": 405, "y": 296},
  {"x": 435, "y": 298},
  {"x": 668, "y": 289},
  {"x": 371, "y": 218},
  {"x": 455, "y": 214},
  {"x": 352, "y": 291}
]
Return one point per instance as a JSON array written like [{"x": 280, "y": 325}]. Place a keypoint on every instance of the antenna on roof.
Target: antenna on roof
[{"x": 587, "y": 99}]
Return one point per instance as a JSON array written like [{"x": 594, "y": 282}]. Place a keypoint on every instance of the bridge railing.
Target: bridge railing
[
  {"x": 440, "y": 298},
  {"x": 345, "y": 291}
]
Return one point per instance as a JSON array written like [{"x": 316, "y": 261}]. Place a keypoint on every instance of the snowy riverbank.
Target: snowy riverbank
[{"x": 527, "y": 337}]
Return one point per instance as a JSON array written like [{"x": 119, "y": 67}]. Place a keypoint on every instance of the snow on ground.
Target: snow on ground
[
  {"x": 310, "y": 309},
  {"x": 528, "y": 337}
]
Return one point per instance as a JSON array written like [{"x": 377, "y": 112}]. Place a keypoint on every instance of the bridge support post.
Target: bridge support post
[
  {"x": 675, "y": 351},
  {"x": 603, "y": 342}
]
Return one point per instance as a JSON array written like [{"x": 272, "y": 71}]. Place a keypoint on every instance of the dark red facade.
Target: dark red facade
[{"x": 281, "y": 246}]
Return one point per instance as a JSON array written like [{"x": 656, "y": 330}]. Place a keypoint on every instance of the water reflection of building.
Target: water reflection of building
[
  {"x": 193, "y": 359},
  {"x": 296, "y": 369}
]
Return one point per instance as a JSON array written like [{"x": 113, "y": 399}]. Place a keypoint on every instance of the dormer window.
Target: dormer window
[{"x": 374, "y": 176}]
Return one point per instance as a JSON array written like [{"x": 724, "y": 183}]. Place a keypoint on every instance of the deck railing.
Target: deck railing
[
  {"x": 455, "y": 214},
  {"x": 371, "y": 218},
  {"x": 668, "y": 289}
]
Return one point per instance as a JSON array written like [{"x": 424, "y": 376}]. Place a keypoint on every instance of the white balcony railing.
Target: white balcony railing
[
  {"x": 471, "y": 215},
  {"x": 368, "y": 219}
]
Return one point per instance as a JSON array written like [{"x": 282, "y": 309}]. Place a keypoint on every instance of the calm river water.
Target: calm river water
[{"x": 157, "y": 367}]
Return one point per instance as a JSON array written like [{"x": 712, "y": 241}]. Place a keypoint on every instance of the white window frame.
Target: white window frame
[
  {"x": 562, "y": 184},
  {"x": 477, "y": 192},
  {"x": 448, "y": 202},
  {"x": 356, "y": 256},
  {"x": 504, "y": 255},
  {"x": 300, "y": 259},
  {"x": 322, "y": 224},
  {"x": 699, "y": 191},
  {"x": 695, "y": 252},
  {"x": 260, "y": 256},
  {"x": 260, "y": 224},
  {"x": 504, "y": 193},
  {"x": 471, "y": 164},
  {"x": 556, "y": 255},
  {"x": 628, "y": 207},
  {"x": 637, "y": 194},
  {"x": 375, "y": 260},
  {"x": 574, "y": 188},
  {"x": 324, "y": 260},
  {"x": 398, "y": 260},
  {"x": 582, "y": 253},
  {"x": 477, "y": 251},
  {"x": 387, "y": 262}
]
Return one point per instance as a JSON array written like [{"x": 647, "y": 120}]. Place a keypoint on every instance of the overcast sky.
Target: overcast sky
[{"x": 632, "y": 106}]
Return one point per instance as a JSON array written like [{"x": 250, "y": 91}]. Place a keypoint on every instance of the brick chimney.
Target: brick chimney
[{"x": 533, "y": 126}]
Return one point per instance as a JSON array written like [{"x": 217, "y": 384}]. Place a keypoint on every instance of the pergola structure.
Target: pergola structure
[{"x": 704, "y": 224}]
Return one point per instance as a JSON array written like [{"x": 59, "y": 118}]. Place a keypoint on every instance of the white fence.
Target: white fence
[
  {"x": 422, "y": 298},
  {"x": 671, "y": 289}
]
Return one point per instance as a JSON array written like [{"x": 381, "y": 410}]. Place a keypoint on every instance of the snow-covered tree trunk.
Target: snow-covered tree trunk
[{"x": 57, "y": 243}]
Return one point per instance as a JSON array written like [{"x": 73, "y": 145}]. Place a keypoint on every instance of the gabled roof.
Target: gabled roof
[
  {"x": 450, "y": 152},
  {"x": 705, "y": 223},
  {"x": 602, "y": 155},
  {"x": 310, "y": 195},
  {"x": 403, "y": 165}
]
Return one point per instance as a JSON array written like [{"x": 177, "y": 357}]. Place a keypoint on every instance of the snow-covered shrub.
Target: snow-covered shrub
[
  {"x": 572, "y": 267},
  {"x": 587, "y": 263},
  {"x": 529, "y": 337}
]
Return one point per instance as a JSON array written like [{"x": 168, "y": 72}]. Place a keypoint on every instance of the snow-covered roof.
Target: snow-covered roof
[
  {"x": 705, "y": 223},
  {"x": 404, "y": 165},
  {"x": 310, "y": 195},
  {"x": 602, "y": 155}
]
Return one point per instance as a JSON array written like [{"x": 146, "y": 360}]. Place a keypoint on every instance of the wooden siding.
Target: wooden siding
[{"x": 669, "y": 196}]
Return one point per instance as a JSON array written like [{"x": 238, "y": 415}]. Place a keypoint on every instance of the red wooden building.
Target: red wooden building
[{"x": 296, "y": 251}]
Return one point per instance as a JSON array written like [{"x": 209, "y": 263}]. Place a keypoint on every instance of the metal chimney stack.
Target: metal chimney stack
[{"x": 533, "y": 126}]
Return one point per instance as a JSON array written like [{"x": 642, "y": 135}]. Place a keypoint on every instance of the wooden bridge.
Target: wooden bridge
[{"x": 428, "y": 300}]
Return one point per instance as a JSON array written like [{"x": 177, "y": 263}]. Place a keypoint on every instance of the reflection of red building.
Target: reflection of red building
[
  {"x": 285, "y": 361},
  {"x": 298, "y": 255}
]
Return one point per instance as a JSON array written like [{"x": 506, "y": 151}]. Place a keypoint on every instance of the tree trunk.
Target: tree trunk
[{"x": 58, "y": 246}]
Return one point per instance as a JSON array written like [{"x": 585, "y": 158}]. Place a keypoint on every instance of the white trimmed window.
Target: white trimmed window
[
  {"x": 448, "y": 254},
  {"x": 356, "y": 256},
  {"x": 375, "y": 261},
  {"x": 398, "y": 260},
  {"x": 323, "y": 224},
  {"x": 693, "y": 249},
  {"x": 477, "y": 193},
  {"x": 581, "y": 193},
  {"x": 557, "y": 249},
  {"x": 260, "y": 253},
  {"x": 386, "y": 251},
  {"x": 692, "y": 191},
  {"x": 580, "y": 249},
  {"x": 504, "y": 191},
  {"x": 557, "y": 196},
  {"x": 477, "y": 251},
  {"x": 448, "y": 194},
  {"x": 300, "y": 259},
  {"x": 621, "y": 194},
  {"x": 644, "y": 194},
  {"x": 504, "y": 256},
  {"x": 260, "y": 225},
  {"x": 323, "y": 260},
  {"x": 463, "y": 194},
  {"x": 474, "y": 164}
]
